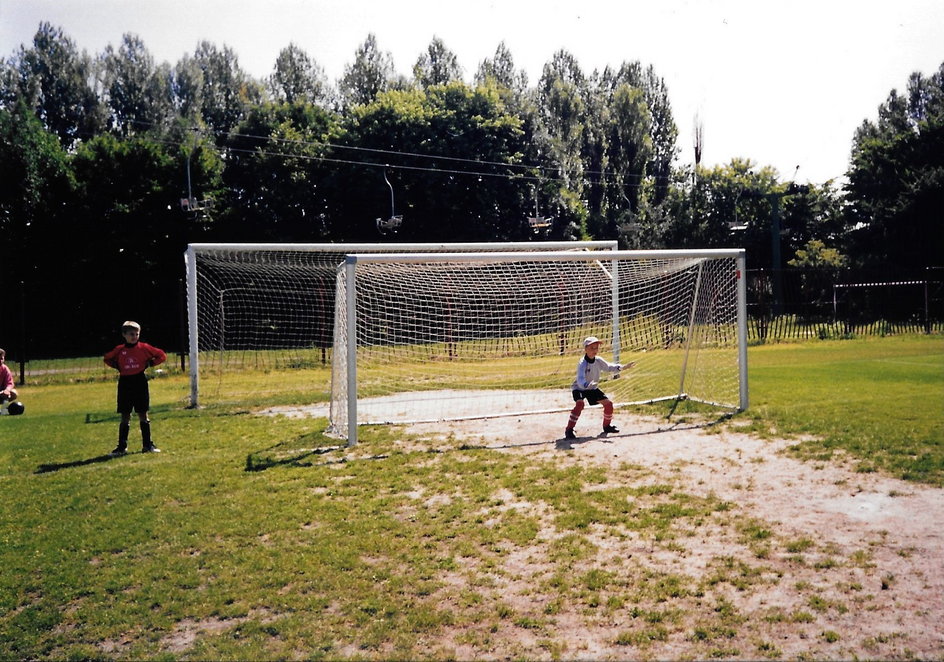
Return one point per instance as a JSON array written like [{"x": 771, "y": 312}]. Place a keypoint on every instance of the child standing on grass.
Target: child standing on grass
[
  {"x": 7, "y": 390},
  {"x": 131, "y": 359},
  {"x": 587, "y": 385}
]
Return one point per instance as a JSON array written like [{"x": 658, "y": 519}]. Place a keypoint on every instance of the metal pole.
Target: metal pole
[
  {"x": 775, "y": 252},
  {"x": 616, "y": 310},
  {"x": 350, "y": 276},
  {"x": 392, "y": 206},
  {"x": 691, "y": 330},
  {"x": 835, "y": 304},
  {"x": 927, "y": 311},
  {"x": 742, "y": 328},
  {"x": 190, "y": 262}
]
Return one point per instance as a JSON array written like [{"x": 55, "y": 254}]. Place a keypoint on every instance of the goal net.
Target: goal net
[
  {"x": 257, "y": 310},
  {"x": 437, "y": 337}
]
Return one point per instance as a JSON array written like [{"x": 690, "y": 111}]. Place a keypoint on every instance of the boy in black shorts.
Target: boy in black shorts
[
  {"x": 587, "y": 385},
  {"x": 131, "y": 359}
]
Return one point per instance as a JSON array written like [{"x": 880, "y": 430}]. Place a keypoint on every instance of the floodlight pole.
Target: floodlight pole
[{"x": 774, "y": 199}]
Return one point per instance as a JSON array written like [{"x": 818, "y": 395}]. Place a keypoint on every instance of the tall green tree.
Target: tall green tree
[
  {"x": 138, "y": 93},
  {"x": 814, "y": 213},
  {"x": 562, "y": 103},
  {"x": 54, "y": 80},
  {"x": 298, "y": 78},
  {"x": 129, "y": 232},
  {"x": 187, "y": 85},
  {"x": 452, "y": 155},
  {"x": 437, "y": 65},
  {"x": 33, "y": 167},
  {"x": 617, "y": 152},
  {"x": 895, "y": 187},
  {"x": 370, "y": 74},
  {"x": 227, "y": 91},
  {"x": 502, "y": 72},
  {"x": 728, "y": 204},
  {"x": 275, "y": 177},
  {"x": 35, "y": 196},
  {"x": 36, "y": 233}
]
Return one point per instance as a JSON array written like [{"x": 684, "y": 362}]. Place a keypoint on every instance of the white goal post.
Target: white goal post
[
  {"x": 428, "y": 337},
  {"x": 260, "y": 307}
]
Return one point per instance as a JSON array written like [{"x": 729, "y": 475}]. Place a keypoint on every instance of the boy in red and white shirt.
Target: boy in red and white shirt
[
  {"x": 131, "y": 359},
  {"x": 587, "y": 385}
]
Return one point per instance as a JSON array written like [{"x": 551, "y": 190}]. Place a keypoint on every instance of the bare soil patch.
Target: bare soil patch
[
  {"x": 854, "y": 567},
  {"x": 844, "y": 565}
]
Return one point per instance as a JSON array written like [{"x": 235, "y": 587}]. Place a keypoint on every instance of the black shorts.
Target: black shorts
[
  {"x": 133, "y": 394},
  {"x": 593, "y": 396}
]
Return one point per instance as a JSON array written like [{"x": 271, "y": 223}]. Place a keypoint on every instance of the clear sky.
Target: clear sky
[{"x": 784, "y": 83}]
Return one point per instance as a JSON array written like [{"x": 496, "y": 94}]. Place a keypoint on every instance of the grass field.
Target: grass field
[
  {"x": 879, "y": 400},
  {"x": 254, "y": 538}
]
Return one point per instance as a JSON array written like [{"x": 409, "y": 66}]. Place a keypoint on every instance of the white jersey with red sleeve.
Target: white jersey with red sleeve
[{"x": 589, "y": 370}]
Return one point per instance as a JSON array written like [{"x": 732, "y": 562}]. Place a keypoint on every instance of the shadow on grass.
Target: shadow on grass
[
  {"x": 272, "y": 457},
  {"x": 164, "y": 411},
  {"x": 47, "y": 468},
  {"x": 607, "y": 438},
  {"x": 259, "y": 461}
]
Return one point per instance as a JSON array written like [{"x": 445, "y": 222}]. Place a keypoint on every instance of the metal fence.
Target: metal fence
[{"x": 843, "y": 303}]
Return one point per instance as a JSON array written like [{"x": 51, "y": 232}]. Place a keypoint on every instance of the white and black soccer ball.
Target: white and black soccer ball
[{"x": 16, "y": 408}]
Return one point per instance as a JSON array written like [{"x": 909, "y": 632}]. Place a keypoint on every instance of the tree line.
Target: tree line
[{"x": 113, "y": 163}]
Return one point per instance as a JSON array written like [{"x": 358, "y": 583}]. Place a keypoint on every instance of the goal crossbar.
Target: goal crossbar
[{"x": 545, "y": 256}]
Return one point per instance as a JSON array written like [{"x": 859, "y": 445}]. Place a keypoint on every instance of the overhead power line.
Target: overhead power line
[{"x": 526, "y": 170}]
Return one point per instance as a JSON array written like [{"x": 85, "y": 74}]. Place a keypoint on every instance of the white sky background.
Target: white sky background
[{"x": 782, "y": 83}]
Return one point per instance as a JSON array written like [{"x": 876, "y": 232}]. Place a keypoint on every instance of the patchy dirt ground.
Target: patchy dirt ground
[
  {"x": 851, "y": 564},
  {"x": 856, "y": 570}
]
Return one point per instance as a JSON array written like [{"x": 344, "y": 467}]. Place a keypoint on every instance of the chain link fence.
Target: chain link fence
[{"x": 843, "y": 303}]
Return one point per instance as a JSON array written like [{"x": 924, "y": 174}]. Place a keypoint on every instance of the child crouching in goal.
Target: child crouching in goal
[{"x": 587, "y": 386}]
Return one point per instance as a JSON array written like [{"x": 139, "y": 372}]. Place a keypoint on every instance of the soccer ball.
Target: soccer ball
[{"x": 16, "y": 408}]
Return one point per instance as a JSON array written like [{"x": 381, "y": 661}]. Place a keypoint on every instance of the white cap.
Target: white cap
[{"x": 590, "y": 340}]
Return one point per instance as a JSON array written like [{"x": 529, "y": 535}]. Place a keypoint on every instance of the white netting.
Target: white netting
[
  {"x": 444, "y": 340},
  {"x": 256, "y": 310}
]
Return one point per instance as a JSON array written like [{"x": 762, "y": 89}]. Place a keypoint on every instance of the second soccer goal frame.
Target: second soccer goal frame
[
  {"x": 255, "y": 309},
  {"x": 426, "y": 337}
]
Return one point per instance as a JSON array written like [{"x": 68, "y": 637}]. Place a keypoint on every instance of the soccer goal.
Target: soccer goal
[
  {"x": 256, "y": 310},
  {"x": 436, "y": 337}
]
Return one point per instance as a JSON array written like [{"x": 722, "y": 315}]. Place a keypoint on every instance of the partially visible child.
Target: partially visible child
[
  {"x": 131, "y": 359},
  {"x": 587, "y": 386},
  {"x": 7, "y": 387}
]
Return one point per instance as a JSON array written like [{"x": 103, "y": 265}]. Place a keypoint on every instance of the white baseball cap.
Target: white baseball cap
[{"x": 590, "y": 340}]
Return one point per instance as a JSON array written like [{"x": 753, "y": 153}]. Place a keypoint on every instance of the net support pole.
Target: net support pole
[
  {"x": 741, "y": 266},
  {"x": 350, "y": 276},
  {"x": 616, "y": 310},
  {"x": 691, "y": 329},
  {"x": 190, "y": 263}
]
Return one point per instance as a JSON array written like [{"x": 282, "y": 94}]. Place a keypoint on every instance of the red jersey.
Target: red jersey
[
  {"x": 132, "y": 359},
  {"x": 6, "y": 377}
]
